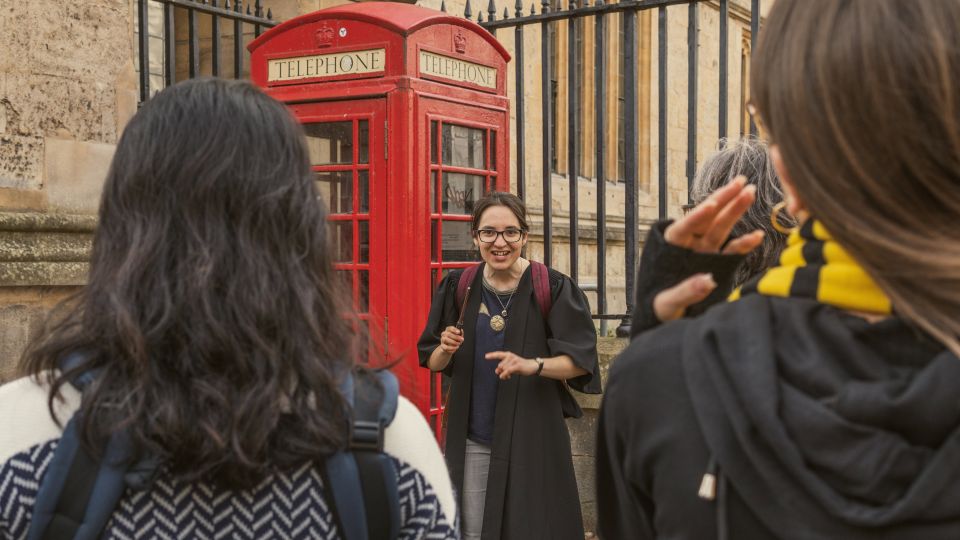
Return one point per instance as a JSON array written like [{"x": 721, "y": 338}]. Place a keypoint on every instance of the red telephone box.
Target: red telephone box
[{"x": 407, "y": 120}]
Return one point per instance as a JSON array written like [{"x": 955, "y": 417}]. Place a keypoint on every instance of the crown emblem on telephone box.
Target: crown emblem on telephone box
[
  {"x": 459, "y": 43},
  {"x": 324, "y": 36}
]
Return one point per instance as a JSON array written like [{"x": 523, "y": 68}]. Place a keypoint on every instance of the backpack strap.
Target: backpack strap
[
  {"x": 78, "y": 494},
  {"x": 466, "y": 279},
  {"x": 541, "y": 287},
  {"x": 363, "y": 479}
]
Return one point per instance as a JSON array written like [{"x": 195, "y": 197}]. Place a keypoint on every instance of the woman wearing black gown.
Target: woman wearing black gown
[{"x": 508, "y": 448}]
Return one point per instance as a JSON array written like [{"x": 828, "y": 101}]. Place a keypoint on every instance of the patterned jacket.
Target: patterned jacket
[{"x": 288, "y": 505}]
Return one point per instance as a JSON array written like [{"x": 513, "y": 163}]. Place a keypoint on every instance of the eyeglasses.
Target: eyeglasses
[{"x": 489, "y": 236}]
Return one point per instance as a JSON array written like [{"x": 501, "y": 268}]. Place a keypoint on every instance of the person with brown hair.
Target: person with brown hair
[
  {"x": 821, "y": 400},
  {"x": 513, "y": 335},
  {"x": 212, "y": 344}
]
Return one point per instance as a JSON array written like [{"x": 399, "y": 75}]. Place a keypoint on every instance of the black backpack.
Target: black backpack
[{"x": 78, "y": 493}]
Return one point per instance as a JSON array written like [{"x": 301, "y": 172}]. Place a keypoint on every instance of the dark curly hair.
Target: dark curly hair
[{"x": 212, "y": 310}]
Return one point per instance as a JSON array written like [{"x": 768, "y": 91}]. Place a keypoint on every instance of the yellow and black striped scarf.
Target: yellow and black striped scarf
[{"x": 814, "y": 266}]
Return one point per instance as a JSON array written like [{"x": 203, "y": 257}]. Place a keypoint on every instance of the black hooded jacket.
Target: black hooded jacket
[{"x": 817, "y": 423}]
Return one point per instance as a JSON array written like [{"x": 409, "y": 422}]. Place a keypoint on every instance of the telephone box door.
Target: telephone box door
[
  {"x": 465, "y": 162},
  {"x": 346, "y": 143}
]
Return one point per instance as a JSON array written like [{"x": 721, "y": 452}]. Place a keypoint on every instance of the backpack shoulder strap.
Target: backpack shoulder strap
[
  {"x": 78, "y": 494},
  {"x": 541, "y": 287},
  {"x": 363, "y": 479},
  {"x": 466, "y": 279}
]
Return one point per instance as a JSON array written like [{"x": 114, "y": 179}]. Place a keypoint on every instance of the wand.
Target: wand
[{"x": 463, "y": 311}]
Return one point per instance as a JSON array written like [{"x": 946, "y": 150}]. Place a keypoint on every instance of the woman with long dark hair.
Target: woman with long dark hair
[
  {"x": 219, "y": 336},
  {"x": 821, "y": 401},
  {"x": 513, "y": 335}
]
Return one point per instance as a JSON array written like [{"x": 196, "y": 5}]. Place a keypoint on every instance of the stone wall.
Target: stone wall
[
  {"x": 43, "y": 258},
  {"x": 583, "y": 434},
  {"x": 67, "y": 88}
]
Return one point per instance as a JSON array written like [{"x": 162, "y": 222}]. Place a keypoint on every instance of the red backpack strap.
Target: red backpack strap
[
  {"x": 541, "y": 287},
  {"x": 466, "y": 279}
]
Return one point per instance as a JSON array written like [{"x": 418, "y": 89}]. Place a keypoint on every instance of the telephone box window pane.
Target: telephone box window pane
[
  {"x": 364, "y": 241},
  {"x": 433, "y": 192},
  {"x": 433, "y": 391},
  {"x": 493, "y": 151},
  {"x": 345, "y": 280},
  {"x": 363, "y": 184},
  {"x": 364, "y": 305},
  {"x": 460, "y": 192},
  {"x": 433, "y": 141},
  {"x": 464, "y": 147},
  {"x": 434, "y": 239},
  {"x": 342, "y": 239},
  {"x": 457, "y": 242},
  {"x": 330, "y": 143},
  {"x": 364, "y": 330},
  {"x": 364, "y": 136},
  {"x": 336, "y": 189}
]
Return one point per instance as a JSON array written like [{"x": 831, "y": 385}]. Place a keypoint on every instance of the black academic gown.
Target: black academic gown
[{"x": 531, "y": 487}]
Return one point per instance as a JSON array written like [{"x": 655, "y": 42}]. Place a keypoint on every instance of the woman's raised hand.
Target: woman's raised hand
[
  {"x": 705, "y": 229},
  {"x": 450, "y": 339}
]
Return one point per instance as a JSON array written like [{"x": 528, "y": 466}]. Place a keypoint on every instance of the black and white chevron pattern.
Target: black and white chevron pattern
[{"x": 284, "y": 506}]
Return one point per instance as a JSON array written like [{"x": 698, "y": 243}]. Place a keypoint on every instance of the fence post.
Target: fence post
[
  {"x": 547, "y": 137},
  {"x": 630, "y": 164},
  {"x": 143, "y": 27},
  {"x": 693, "y": 28},
  {"x": 600, "y": 102},
  {"x": 518, "y": 62},
  {"x": 573, "y": 137}
]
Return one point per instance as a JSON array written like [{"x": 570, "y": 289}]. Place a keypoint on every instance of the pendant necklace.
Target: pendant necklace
[{"x": 499, "y": 322}]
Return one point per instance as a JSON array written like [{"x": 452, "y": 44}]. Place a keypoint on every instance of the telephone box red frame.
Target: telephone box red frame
[{"x": 423, "y": 84}]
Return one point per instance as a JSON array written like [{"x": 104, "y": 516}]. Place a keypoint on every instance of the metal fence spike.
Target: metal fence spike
[
  {"x": 270, "y": 14},
  {"x": 480, "y": 17},
  {"x": 443, "y": 6},
  {"x": 467, "y": 11},
  {"x": 238, "y": 7},
  {"x": 544, "y": 6},
  {"x": 492, "y": 11},
  {"x": 519, "y": 8},
  {"x": 533, "y": 9},
  {"x": 506, "y": 14},
  {"x": 248, "y": 9},
  {"x": 258, "y": 10},
  {"x": 226, "y": 4}
]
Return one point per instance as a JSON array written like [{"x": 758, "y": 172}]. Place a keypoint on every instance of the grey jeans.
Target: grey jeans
[{"x": 476, "y": 464}]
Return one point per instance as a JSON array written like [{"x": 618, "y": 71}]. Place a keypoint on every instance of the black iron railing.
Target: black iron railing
[
  {"x": 600, "y": 11},
  {"x": 219, "y": 12}
]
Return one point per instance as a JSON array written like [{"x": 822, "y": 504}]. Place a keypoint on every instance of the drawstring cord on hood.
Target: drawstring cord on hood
[{"x": 713, "y": 487}]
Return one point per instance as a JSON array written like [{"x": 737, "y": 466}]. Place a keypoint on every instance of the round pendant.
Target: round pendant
[{"x": 498, "y": 323}]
